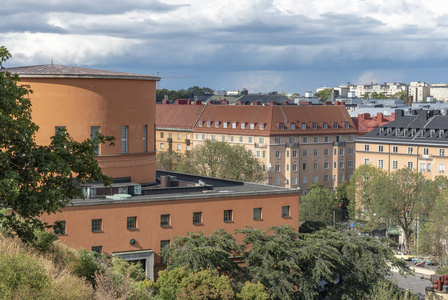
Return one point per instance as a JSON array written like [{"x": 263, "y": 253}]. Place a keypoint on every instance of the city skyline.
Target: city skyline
[{"x": 285, "y": 46}]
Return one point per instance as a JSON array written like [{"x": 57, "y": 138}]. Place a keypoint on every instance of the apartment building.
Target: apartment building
[
  {"x": 418, "y": 142},
  {"x": 439, "y": 91},
  {"x": 419, "y": 91},
  {"x": 388, "y": 88},
  {"x": 296, "y": 145},
  {"x": 175, "y": 123}
]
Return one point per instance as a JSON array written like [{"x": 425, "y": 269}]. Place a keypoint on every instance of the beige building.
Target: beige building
[
  {"x": 439, "y": 91},
  {"x": 419, "y": 91},
  {"x": 418, "y": 142},
  {"x": 296, "y": 145}
]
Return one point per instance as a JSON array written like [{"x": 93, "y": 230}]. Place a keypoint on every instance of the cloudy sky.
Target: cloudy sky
[{"x": 261, "y": 45}]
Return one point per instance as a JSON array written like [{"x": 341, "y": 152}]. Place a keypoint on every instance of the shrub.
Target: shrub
[{"x": 253, "y": 291}]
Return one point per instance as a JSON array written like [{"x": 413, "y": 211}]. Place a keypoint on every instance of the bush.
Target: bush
[{"x": 253, "y": 291}]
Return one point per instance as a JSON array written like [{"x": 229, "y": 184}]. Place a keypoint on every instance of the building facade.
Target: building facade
[
  {"x": 86, "y": 101},
  {"x": 296, "y": 145},
  {"x": 419, "y": 91},
  {"x": 418, "y": 142}
]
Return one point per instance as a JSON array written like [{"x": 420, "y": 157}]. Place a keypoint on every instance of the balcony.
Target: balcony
[
  {"x": 258, "y": 145},
  {"x": 339, "y": 144}
]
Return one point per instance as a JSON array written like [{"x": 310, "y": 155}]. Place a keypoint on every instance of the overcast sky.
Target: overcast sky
[{"x": 261, "y": 45}]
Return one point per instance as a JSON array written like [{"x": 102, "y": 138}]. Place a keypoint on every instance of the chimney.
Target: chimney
[
  {"x": 380, "y": 117},
  {"x": 399, "y": 113}
]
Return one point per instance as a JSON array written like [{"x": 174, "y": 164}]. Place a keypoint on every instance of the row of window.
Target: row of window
[
  {"x": 277, "y": 140},
  {"x": 294, "y": 180},
  {"x": 170, "y": 135},
  {"x": 178, "y": 147},
  {"x": 261, "y": 126},
  {"x": 424, "y": 167},
  {"x": 410, "y": 150},
  {"x": 165, "y": 220}
]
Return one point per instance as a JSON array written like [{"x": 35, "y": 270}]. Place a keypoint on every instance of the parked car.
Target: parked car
[
  {"x": 417, "y": 260},
  {"x": 401, "y": 255}
]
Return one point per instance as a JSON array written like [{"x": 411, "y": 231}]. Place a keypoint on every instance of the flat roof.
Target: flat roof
[{"x": 221, "y": 188}]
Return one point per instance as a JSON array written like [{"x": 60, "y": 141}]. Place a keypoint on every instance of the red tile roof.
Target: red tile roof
[
  {"x": 177, "y": 116},
  {"x": 365, "y": 123}
]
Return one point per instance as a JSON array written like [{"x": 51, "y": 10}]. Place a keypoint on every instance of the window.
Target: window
[
  {"x": 380, "y": 148},
  {"x": 314, "y": 125},
  {"x": 197, "y": 217},
  {"x": 351, "y": 151},
  {"x": 292, "y": 126},
  {"x": 212, "y": 137},
  {"x": 341, "y": 151},
  {"x": 179, "y": 147},
  {"x": 97, "y": 225},
  {"x": 326, "y": 178},
  {"x": 442, "y": 152},
  {"x": 252, "y": 126},
  {"x": 316, "y": 139},
  {"x": 351, "y": 138},
  {"x": 338, "y": 138},
  {"x": 287, "y": 153},
  {"x": 163, "y": 244},
  {"x": 285, "y": 212},
  {"x": 287, "y": 167},
  {"x": 58, "y": 128},
  {"x": 216, "y": 124},
  {"x": 223, "y": 138},
  {"x": 294, "y": 153},
  {"x": 257, "y": 213},
  {"x": 188, "y": 148},
  {"x": 305, "y": 153},
  {"x": 346, "y": 125},
  {"x": 249, "y": 139},
  {"x": 179, "y": 136},
  {"x": 162, "y": 146},
  {"x": 165, "y": 220},
  {"x": 422, "y": 167},
  {"x": 258, "y": 153},
  {"x": 59, "y": 227},
  {"x": 144, "y": 137},
  {"x": 366, "y": 147},
  {"x": 131, "y": 222},
  {"x": 201, "y": 123},
  {"x": 240, "y": 139},
  {"x": 261, "y": 126},
  {"x": 335, "y": 152},
  {"x": 97, "y": 249},
  {"x": 351, "y": 164},
  {"x": 366, "y": 161},
  {"x": 294, "y": 167},
  {"x": 315, "y": 165},
  {"x": 305, "y": 166},
  {"x": 326, "y": 165},
  {"x": 425, "y": 152},
  {"x": 94, "y": 131},
  {"x": 225, "y": 124},
  {"x": 277, "y": 154},
  {"x": 395, "y": 164},
  {"x": 305, "y": 179},
  {"x": 326, "y": 152},
  {"x": 395, "y": 149},
  {"x": 341, "y": 178},
  {"x": 316, "y": 152},
  {"x": 170, "y": 135},
  {"x": 335, "y": 125},
  {"x": 234, "y": 125},
  {"x": 410, "y": 165},
  {"x": 124, "y": 139},
  {"x": 294, "y": 181},
  {"x": 334, "y": 165},
  {"x": 316, "y": 178},
  {"x": 327, "y": 138},
  {"x": 341, "y": 165},
  {"x": 303, "y": 126},
  {"x": 334, "y": 178},
  {"x": 325, "y": 126},
  {"x": 305, "y": 140},
  {"x": 428, "y": 167},
  {"x": 264, "y": 154},
  {"x": 441, "y": 168},
  {"x": 231, "y": 138},
  {"x": 277, "y": 140},
  {"x": 281, "y": 126},
  {"x": 228, "y": 216},
  {"x": 197, "y": 136},
  {"x": 410, "y": 150},
  {"x": 243, "y": 125},
  {"x": 277, "y": 168},
  {"x": 277, "y": 181},
  {"x": 161, "y": 135},
  {"x": 380, "y": 163}
]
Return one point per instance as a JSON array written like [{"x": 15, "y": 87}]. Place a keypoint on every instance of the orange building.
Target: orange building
[
  {"x": 85, "y": 101},
  {"x": 137, "y": 227}
]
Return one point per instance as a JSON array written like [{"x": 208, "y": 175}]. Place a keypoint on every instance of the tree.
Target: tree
[
  {"x": 323, "y": 94},
  {"x": 215, "y": 159},
  {"x": 36, "y": 179},
  {"x": 319, "y": 205},
  {"x": 401, "y": 95}
]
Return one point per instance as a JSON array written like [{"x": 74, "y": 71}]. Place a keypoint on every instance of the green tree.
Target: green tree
[
  {"x": 253, "y": 291},
  {"x": 37, "y": 179},
  {"x": 167, "y": 160},
  {"x": 323, "y": 94},
  {"x": 401, "y": 95},
  {"x": 365, "y": 96},
  {"x": 319, "y": 205}
]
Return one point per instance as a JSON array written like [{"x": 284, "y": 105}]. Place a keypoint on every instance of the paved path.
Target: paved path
[{"x": 415, "y": 283}]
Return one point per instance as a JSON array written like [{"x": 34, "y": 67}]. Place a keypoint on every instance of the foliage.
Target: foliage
[
  {"x": 326, "y": 263},
  {"x": 22, "y": 277},
  {"x": 205, "y": 284},
  {"x": 214, "y": 159},
  {"x": 88, "y": 265},
  {"x": 319, "y": 205},
  {"x": 122, "y": 267},
  {"x": 182, "y": 94},
  {"x": 197, "y": 251},
  {"x": 400, "y": 198},
  {"x": 311, "y": 226},
  {"x": 168, "y": 283},
  {"x": 401, "y": 95},
  {"x": 376, "y": 95},
  {"x": 36, "y": 179},
  {"x": 44, "y": 240},
  {"x": 384, "y": 289},
  {"x": 323, "y": 94},
  {"x": 253, "y": 291}
]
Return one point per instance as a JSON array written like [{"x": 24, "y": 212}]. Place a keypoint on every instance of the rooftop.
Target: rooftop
[{"x": 60, "y": 71}]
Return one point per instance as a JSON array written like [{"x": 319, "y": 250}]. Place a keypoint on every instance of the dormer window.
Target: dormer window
[
  {"x": 335, "y": 125},
  {"x": 217, "y": 124},
  {"x": 292, "y": 126},
  {"x": 209, "y": 123},
  {"x": 281, "y": 126},
  {"x": 314, "y": 125},
  {"x": 234, "y": 125},
  {"x": 325, "y": 125},
  {"x": 441, "y": 133},
  {"x": 389, "y": 130},
  {"x": 303, "y": 126},
  {"x": 252, "y": 126},
  {"x": 261, "y": 126},
  {"x": 243, "y": 125},
  {"x": 397, "y": 132},
  {"x": 201, "y": 123},
  {"x": 225, "y": 124},
  {"x": 432, "y": 132},
  {"x": 347, "y": 125}
]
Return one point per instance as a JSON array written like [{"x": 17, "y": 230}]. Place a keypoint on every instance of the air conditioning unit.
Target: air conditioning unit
[{"x": 137, "y": 190}]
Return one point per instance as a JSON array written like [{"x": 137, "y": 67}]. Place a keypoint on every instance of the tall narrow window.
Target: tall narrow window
[
  {"x": 145, "y": 130},
  {"x": 124, "y": 139},
  {"x": 94, "y": 131},
  {"x": 257, "y": 213}
]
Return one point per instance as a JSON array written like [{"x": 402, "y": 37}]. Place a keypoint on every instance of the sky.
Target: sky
[{"x": 261, "y": 45}]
